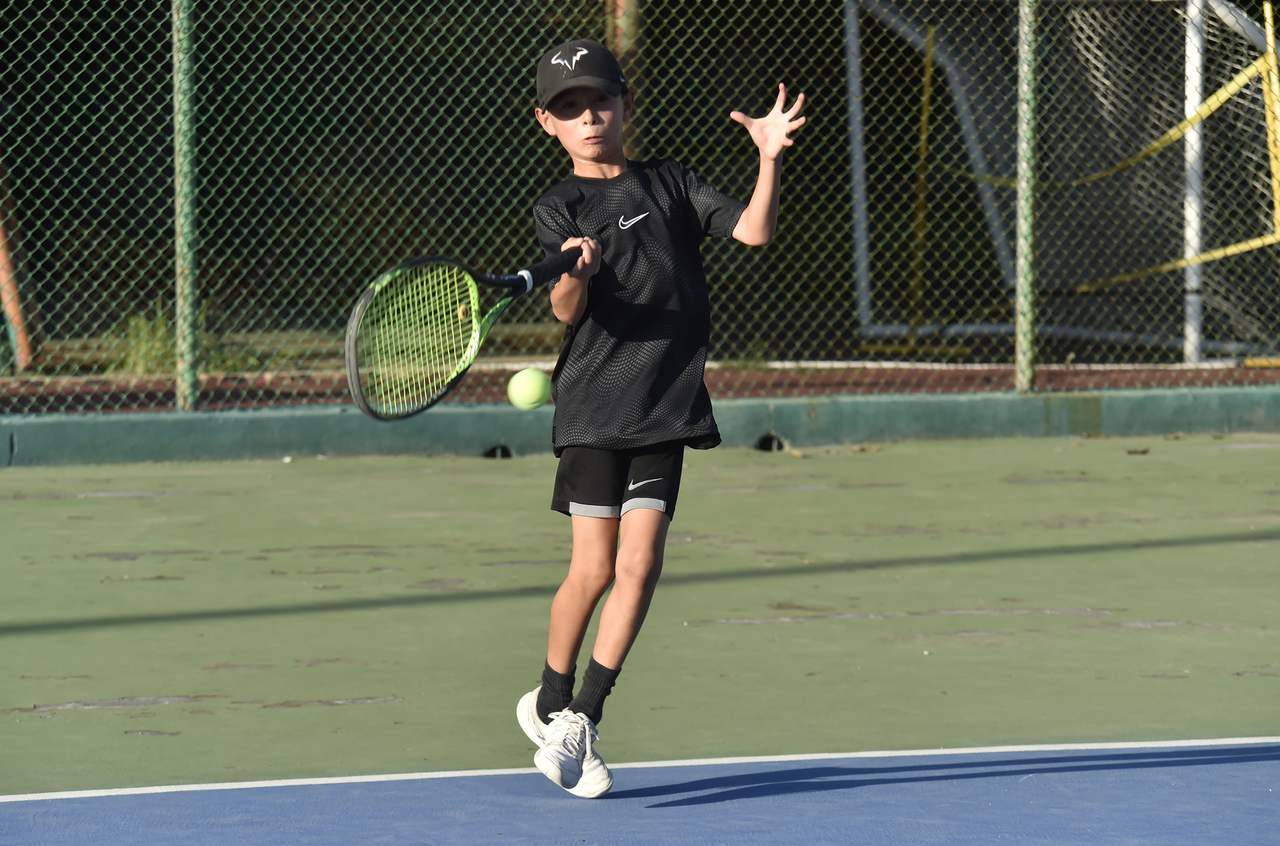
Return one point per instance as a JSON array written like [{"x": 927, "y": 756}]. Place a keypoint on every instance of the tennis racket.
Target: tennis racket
[{"x": 417, "y": 328}]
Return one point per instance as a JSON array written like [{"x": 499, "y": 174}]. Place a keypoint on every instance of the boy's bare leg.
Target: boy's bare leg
[
  {"x": 591, "y": 571},
  {"x": 627, "y": 554},
  {"x": 643, "y": 537},
  {"x": 565, "y": 735}
]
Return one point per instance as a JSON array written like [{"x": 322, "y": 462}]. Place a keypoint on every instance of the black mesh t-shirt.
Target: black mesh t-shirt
[{"x": 630, "y": 372}]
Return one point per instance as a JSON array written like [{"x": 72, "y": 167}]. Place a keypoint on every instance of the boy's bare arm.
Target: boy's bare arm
[
  {"x": 569, "y": 296},
  {"x": 771, "y": 135}
]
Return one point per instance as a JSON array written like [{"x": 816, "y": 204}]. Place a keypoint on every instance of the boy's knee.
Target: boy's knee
[
  {"x": 639, "y": 569},
  {"x": 591, "y": 580}
]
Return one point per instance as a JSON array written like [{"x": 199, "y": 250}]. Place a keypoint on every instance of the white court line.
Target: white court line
[{"x": 760, "y": 759}]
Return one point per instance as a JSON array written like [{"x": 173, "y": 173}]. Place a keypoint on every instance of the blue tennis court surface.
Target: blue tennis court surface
[{"x": 1198, "y": 792}]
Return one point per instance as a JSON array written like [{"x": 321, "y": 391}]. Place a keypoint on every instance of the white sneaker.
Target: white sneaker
[
  {"x": 527, "y": 714},
  {"x": 595, "y": 779},
  {"x": 564, "y": 748}
]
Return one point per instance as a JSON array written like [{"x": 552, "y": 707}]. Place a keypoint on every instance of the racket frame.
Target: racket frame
[{"x": 517, "y": 284}]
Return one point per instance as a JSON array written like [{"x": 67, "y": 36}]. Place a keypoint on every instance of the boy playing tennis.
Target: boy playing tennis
[{"x": 629, "y": 386}]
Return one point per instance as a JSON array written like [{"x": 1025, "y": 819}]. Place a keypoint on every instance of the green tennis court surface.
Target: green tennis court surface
[{"x": 217, "y": 622}]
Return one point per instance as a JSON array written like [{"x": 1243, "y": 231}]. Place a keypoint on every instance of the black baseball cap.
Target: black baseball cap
[{"x": 578, "y": 64}]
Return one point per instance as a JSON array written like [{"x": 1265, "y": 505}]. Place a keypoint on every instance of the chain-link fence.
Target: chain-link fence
[{"x": 323, "y": 142}]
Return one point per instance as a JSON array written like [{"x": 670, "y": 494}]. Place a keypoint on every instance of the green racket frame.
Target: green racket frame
[{"x": 414, "y": 332}]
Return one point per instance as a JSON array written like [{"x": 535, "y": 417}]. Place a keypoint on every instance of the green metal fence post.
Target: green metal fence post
[
  {"x": 858, "y": 161},
  {"x": 1024, "y": 317},
  {"x": 184, "y": 197}
]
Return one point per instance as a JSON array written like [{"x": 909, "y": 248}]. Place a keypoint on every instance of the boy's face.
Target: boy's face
[{"x": 588, "y": 123}]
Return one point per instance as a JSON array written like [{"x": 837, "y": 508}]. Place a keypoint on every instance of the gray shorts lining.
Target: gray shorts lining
[
  {"x": 594, "y": 510},
  {"x": 642, "y": 502}
]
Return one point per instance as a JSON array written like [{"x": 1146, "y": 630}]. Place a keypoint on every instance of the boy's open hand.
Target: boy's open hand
[{"x": 771, "y": 133}]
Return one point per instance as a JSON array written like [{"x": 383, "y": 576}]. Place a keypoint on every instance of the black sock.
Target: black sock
[
  {"x": 556, "y": 692},
  {"x": 597, "y": 681}
]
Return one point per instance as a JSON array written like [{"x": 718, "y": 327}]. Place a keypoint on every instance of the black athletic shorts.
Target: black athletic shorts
[{"x": 609, "y": 483}]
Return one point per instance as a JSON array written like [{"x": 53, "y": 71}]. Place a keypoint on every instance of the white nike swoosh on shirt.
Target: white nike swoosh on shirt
[
  {"x": 631, "y": 486},
  {"x": 627, "y": 224}
]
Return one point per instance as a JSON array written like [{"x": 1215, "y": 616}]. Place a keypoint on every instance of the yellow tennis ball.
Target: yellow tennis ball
[{"x": 529, "y": 389}]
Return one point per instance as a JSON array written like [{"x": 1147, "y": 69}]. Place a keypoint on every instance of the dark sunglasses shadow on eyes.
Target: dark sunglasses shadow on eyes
[{"x": 572, "y": 108}]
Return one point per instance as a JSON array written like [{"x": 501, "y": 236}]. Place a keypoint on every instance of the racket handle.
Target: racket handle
[{"x": 551, "y": 268}]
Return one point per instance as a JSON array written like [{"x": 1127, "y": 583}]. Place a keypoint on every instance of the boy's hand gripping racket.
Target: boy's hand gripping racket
[{"x": 417, "y": 328}]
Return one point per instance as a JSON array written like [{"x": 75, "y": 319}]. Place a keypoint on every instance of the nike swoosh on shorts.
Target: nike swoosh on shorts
[{"x": 631, "y": 486}]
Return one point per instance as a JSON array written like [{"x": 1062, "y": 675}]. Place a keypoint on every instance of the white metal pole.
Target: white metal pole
[{"x": 1193, "y": 193}]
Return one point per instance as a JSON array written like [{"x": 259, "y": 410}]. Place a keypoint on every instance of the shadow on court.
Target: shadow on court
[
  {"x": 826, "y": 779},
  {"x": 745, "y": 574}
]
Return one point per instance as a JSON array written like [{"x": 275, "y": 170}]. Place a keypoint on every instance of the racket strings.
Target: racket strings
[{"x": 417, "y": 334}]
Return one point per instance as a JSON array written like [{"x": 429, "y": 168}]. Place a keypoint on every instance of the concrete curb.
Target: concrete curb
[{"x": 33, "y": 440}]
